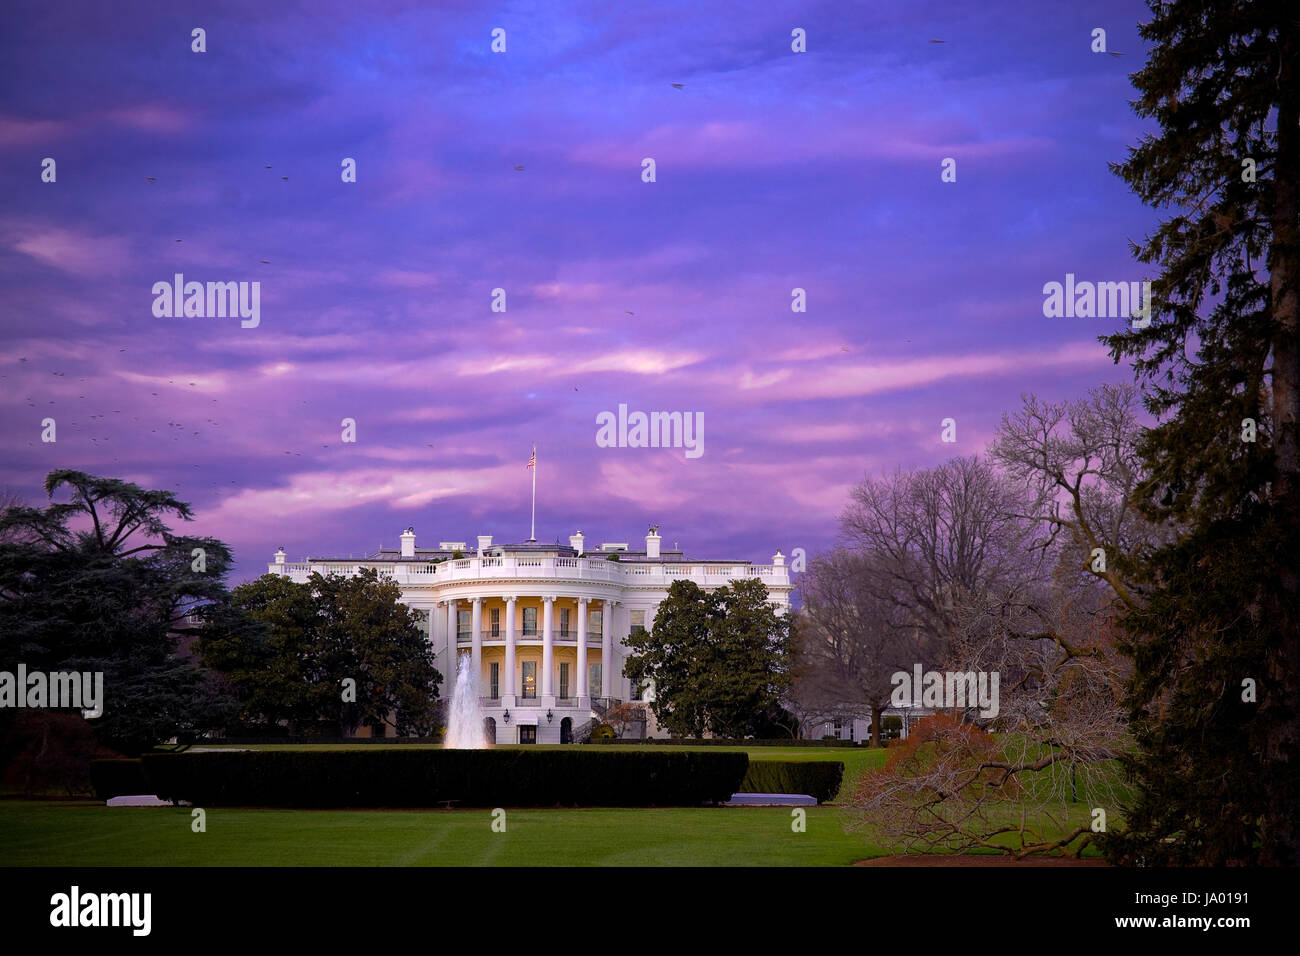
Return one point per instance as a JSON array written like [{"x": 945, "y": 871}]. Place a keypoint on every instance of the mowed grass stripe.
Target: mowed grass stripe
[{"x": 45, "y": 834}]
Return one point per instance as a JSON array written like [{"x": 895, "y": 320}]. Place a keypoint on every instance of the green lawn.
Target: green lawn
[
  {"x": 54, "y": 834},
  {"x": 64, "y": 833}
]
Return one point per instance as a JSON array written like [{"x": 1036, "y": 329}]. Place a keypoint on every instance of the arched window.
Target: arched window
[
  {"x": 566, "y": 730},
  {"x": 490, "y": 730}
]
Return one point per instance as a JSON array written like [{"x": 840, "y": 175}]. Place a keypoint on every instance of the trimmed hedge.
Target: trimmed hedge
[
  {"x": 118, "y": 778},
  {"x": 501, "y": 777},
  {"x": 816, "y": 778},
  {"x": 729, "y": 742}
]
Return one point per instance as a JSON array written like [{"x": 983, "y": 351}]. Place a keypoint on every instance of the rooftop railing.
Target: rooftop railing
[{"x": 641, "y": 574}]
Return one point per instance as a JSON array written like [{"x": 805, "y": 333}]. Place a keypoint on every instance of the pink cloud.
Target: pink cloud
[
  {"x": 16, "y": 132},
  {"x": 851, "y": 378},
  {"x": 69, "y": 250},
  {"x": 150, "y": 117}
]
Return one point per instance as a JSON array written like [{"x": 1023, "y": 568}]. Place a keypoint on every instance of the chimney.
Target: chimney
[
  {"x": 652, "y": 542},
  {"x": 279, "y": 555},
  {"x": 408, "y": 543},
  {"x": 484, "y": 542},
  {"x": 575, "y": 542},
  {"x": 778, "y": 559}
]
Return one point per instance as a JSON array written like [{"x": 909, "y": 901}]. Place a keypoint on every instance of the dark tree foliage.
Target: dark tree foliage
[
  {"x": 287, "y": 648},
  {"x": 101, "y": 583},
  {"x": 1219, "y": 776},
  {"x": 719, "y": 660}
]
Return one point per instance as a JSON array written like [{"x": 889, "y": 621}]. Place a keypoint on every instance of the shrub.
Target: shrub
[
  {"x": 517, "y": 777},
  {"x": 820, "y": 779},
  {"x": 118, "y": 778},
  {"x": 602, "y": 732},
  {"x": 48, "y": 752},
  {"x": 724, "y": 742}
]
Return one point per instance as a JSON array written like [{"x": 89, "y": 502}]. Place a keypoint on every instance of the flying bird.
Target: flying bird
[
  {"x": 267, "y": 166},
  {"x": 265, "y": 262},
  {"x": 678, "y": 86},
  {"x": 938, "y": 41},
  {"x": 1114, "y": 52},
  {"x": 150, "y": 179},
  {"x": 178, "y": 240},
  {"x": 285, "y": 178}
]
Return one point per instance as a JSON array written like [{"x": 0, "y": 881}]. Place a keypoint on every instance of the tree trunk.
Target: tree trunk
[
  {"x": 1280, "y": 705},
  {"x": 875, "y": 726}
]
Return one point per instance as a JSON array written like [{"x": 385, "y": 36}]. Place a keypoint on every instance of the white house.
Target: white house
[{"x": 543, "y": 623}]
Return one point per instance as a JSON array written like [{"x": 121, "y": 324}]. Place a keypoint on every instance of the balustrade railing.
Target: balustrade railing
[{"x": 530, "y": 567}]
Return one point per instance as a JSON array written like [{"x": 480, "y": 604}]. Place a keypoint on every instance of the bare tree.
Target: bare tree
[
  {"x": 935, "y": 537},
  {"x": 849, "y": 643},
  {"x": 1076, "y": 462},
  {"x": 1042, "y": 617}
]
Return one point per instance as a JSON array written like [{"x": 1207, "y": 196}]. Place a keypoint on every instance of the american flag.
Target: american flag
[{"x": 532, "y": 459}]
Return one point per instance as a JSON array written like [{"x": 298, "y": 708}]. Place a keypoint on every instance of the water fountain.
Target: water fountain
[{"x": 465, "y": 729}]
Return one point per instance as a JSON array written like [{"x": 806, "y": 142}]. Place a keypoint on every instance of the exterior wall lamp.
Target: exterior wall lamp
[
  {"x": 506, "y": 716},
  {"x": 549, "y": 716}
]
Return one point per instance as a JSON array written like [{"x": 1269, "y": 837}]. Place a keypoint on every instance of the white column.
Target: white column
[
  {"x": 452, "y": 651},
  {"x": 582, "y": 648},
  {"x": 607, "y": 649},
  {"x": 510, "y": 648},
  {"x": 476, "y": 641},
  {"x": 548, "y": 644}
]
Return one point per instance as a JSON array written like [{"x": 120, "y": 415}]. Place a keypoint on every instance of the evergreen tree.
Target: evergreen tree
[
  {"x": 719, "y": 661},
  {"x": 287, "y": 648},
  {"x": 1218, "y": 774},
  {"x": 101, "y": 583}
]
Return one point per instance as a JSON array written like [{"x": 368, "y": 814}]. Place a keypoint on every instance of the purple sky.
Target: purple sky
[{"x": 819, "y": 170}]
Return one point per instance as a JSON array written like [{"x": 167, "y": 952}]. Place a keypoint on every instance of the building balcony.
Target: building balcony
[{"x": 530, "y": 637}]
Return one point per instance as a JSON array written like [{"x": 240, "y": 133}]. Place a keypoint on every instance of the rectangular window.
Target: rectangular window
[
  {"x": 494, "y": 679},
  {"x": 593, "y": 680},
  {"x": 594, "y": 623},
  {"x": 529, "y": 669},
  {"x": 528, "y": 733},
  {"x": 564, "y": 679},
  {"x": 495, "y": 617},
  {"x": 530, "y": 621},
  {"x": 638, "y": 620},
  {"x": 463, "y": 621},
  {"x": 564, "y": 622}
]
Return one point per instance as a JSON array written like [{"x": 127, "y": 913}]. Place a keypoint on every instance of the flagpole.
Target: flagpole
[{"x": 532, "y": 533}]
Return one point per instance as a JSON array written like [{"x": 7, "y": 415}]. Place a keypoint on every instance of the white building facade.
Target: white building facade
[{"x": 543, "y": 624}]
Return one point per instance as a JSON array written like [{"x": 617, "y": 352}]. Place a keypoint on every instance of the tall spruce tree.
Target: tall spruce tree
[{"x": 1219, "y": 773}]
